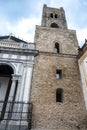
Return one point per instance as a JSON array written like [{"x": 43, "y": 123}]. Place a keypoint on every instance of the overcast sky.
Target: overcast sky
[{"x": 19, "y": 17}]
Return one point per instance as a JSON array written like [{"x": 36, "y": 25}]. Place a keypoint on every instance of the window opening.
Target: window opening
[
  {"x": 51, "y": 15},
  {"x": 58, "y": 74},
  {"x": 56, "y": 16},
  {"x": 54, "y": 25},
  {"x": 59, "y": 95},
  {"x": 57, "y": 47}
]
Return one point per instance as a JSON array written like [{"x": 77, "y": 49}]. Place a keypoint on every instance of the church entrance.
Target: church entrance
[{"x": 5, "y": 85}]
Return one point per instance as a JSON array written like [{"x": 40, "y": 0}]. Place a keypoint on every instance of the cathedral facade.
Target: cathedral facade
[
  {"x": 82, "y": 61},
  {"x": 16, "y": 67}
]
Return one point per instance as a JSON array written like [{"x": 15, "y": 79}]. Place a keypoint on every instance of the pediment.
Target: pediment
[
  {"x": 12, "y": 42},
  {"x": 11, "y": 39}
]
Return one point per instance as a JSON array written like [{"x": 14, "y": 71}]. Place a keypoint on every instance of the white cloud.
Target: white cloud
[
  {"x": 23, "y": 29},
  {"x": 82, "y": 35}
]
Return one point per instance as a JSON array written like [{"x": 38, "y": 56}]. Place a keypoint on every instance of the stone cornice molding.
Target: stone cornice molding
[{"x": 20, "y": 51}]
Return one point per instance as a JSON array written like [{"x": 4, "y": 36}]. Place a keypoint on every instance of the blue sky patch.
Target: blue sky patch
[{"x": 20, "y": 16}]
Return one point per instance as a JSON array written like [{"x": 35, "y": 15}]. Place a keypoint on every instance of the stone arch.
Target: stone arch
[
  {"x": 6, "y": 72},
  {"x": 54, "y": 25},
  {"x": 9, "y": 64}
]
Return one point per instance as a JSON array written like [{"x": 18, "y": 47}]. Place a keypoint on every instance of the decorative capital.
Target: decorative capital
[{"x": 15, "y": 77}]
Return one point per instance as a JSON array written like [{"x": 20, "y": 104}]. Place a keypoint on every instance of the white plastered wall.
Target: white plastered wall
[{"x": 83, "y": 72}]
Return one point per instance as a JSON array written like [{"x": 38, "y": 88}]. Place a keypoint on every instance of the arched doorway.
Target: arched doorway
[{"x": 5, "y": 85}]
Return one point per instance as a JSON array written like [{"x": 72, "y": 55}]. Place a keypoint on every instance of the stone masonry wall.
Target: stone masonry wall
[
  {"x": 48, "y": 114},
  {"x": 45, "y": 39},
  {"x": 47, "y": 19}
]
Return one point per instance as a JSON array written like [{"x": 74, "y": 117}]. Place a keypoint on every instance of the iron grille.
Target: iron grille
[{"x": 15, "y": 115}]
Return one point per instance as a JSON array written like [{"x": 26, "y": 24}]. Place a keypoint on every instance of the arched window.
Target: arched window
[
  {"x": 57, "y": 49},
  {"x": 54, "y": 25},
  {"x": 51, "y": 15},
  {"x": 56, "y": 16},
  {"x": 59, "y": 95}
]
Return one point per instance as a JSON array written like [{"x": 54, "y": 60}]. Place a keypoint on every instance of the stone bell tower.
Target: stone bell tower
[
  {"x": 56, "y": 92},
  {"x": 51, "y": 16}
]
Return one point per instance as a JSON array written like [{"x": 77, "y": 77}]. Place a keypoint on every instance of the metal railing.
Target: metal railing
[{"x": 15, "y": 115}]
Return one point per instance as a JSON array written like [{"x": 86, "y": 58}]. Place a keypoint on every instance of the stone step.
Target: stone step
[{"x": 13, "y": 127}]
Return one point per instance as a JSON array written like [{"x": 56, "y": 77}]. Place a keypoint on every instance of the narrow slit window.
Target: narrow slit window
[
  {"x": 58, "y": 74},
  {"x": 59, "y": 95}
]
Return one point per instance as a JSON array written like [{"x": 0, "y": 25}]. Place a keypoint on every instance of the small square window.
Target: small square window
[{"x": 58, "y": 74}]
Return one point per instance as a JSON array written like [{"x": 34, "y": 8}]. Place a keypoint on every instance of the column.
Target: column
[
  {"x": 22, "y": 84},
  {"x": 20, "y": 92},
  {"x": 11, "y": 106},
  {"x": 13, "y": 86},
  {"x": 26, "y": 93},
  {"x": 27, "y": 86},
  {"x": 18, "y": 89}
]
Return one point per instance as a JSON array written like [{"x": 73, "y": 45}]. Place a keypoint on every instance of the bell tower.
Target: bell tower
[
  {"x": 56, "y": 92},
  {"x": 53, "y": 17}
]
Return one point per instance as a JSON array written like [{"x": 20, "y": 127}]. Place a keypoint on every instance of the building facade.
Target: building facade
[
  {"x": 82, "y": 61},
  {"x": 56, "y": 92},
  {"x": 16, "y": 66}
]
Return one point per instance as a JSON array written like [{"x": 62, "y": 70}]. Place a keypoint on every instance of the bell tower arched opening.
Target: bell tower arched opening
[
  {"x": 54, "y": 25},
  {"x": 6, "y": 72}
]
